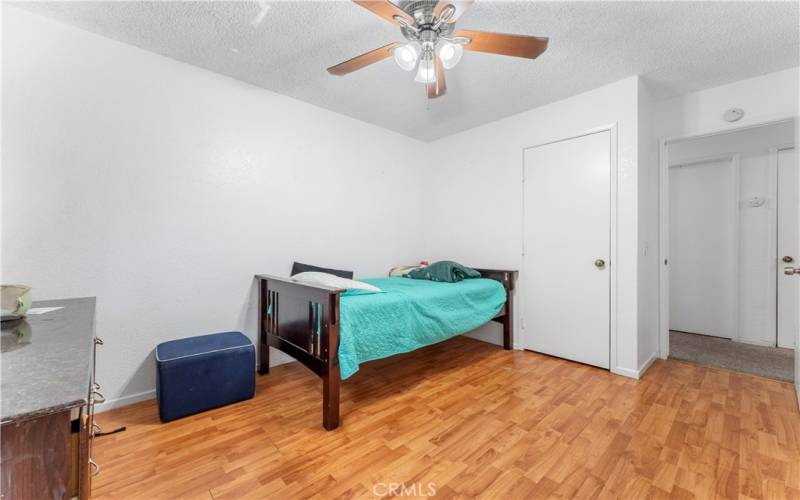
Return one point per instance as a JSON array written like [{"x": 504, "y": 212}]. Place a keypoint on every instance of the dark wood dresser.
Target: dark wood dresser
[{"x": 48, "y": 398}]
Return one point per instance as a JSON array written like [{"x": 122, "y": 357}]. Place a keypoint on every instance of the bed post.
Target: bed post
[
  {"x": 508, "y": 320},
  {"x": 506, "y": 316},
  {"x": 263, "y": 345},
  {"x": 508, "y": 323},
  {"x": 330, "y": 368}
]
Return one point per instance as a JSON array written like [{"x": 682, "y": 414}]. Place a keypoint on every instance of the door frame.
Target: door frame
[
  {"x": 735, "y": 160},
  {"x": 663, "y": 216},
  {"x": 613, "y": 225}
]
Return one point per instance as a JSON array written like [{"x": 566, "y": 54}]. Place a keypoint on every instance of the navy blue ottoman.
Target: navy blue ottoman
[{"x": 200, "y": 373}]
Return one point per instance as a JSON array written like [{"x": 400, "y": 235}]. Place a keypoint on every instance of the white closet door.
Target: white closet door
[
  {"x": 788, "y": 296},
  {"x": 566, "y": 296},
  {"x": 703, "y": 218}
]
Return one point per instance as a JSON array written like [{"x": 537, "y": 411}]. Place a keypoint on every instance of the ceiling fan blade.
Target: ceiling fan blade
[
  {"x": 501, "y": 43},
  {"x": 363, "y": 60},
  {"x": 439, "y": 87},
  {"x": 459, "y": 5},
  {"x": 386, "y": 10}
]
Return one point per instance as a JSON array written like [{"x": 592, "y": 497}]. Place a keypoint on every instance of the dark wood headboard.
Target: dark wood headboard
[{"x": 505, "y": 276}]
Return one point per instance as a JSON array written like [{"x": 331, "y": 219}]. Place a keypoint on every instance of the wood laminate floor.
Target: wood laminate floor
[{"x": 467, "y": 419}]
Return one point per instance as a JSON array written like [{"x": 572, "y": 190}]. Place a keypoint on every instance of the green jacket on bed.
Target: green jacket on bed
[{"x": 444, "y": 270}]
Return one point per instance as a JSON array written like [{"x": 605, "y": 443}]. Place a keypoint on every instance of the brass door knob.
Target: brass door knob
[
  {"x": 599, "y": 263},
  {"x": 787, "y": 259}
]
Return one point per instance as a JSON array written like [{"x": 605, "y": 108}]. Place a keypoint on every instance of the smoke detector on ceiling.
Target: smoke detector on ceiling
[{"x": 733, "y": 115}]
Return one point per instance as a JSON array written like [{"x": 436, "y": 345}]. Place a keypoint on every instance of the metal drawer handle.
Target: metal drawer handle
[
  {"x": 98, "y": 398},
  {"x": 95, "y": 468},
  {"x": 98, "y": 341},
  {"x": 96, "y": 429}
]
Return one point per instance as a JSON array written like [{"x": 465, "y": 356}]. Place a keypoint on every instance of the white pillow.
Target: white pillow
[{"x": 331, "y": 281}]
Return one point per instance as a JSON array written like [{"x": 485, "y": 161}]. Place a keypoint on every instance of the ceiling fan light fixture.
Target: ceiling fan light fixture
[
  {"x": 450, "y": 53},
  {"x": 406, "y": 55},
  {"x": 432, "y": 43},
  {"x": 426, "y": 72}
]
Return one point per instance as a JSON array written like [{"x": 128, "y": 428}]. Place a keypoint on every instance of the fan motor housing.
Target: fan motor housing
[{"x": 422, "y": 12}]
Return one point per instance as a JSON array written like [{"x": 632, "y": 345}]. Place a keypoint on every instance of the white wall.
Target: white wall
[
  {"x": 476, "y": 193},
  {"x": 763, "y": 98},
  {"x": 648, "y": 291},
  {"x": 797, "y": 337},
  {"x": 161, "y": 188}
]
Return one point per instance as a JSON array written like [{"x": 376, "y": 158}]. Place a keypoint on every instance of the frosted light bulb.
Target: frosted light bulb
[
  {"x": 406, "y": 55},
  {"x": 426, "y": 72},
  {"x": 449, "y": 53}
]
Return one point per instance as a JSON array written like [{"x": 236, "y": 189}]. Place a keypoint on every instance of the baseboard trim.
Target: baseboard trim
[
  {"x": 486, "y": 335},
  {"x": 797, "y": 389},
  {"x": 763, "y": 343},
  {"x": 646, "y": 365},
  {"x": 636, "y": 374},
  {"x": 625, "y": 372},
  {"x": 125, "y": 401},
  {"x": 277, "y": 357}
]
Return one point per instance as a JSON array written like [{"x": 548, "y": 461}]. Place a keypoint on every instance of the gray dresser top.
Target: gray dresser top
[{"x": 47, "y": 360}]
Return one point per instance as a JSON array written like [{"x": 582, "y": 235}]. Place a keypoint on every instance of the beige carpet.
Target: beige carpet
[{"x": 770, "y": 362}]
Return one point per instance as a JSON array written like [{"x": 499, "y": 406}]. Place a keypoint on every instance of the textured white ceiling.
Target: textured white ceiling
[{"x": 286, "y": 46}]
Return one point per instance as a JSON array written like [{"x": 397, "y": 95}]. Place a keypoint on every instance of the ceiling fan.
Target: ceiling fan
[{"x": 429, "y": 27}]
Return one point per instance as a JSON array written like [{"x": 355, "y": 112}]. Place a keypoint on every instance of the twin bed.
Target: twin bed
[{"x": 332, "y": 331}]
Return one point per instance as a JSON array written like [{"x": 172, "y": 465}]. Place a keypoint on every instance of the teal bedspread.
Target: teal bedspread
[{"x": 410, "y": 314}]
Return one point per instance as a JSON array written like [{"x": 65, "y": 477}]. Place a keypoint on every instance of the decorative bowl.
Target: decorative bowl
[{"x": 15, "y": 300}]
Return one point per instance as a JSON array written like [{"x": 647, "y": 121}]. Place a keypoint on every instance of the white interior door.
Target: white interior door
[
  {"x": 703, "y": 241},
  {"x": 788, "y": 254},
  {"x": 567, "y": 225}
]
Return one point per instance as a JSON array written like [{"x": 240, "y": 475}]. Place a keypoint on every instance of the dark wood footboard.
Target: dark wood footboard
[{"x": 303, "y": 321}]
